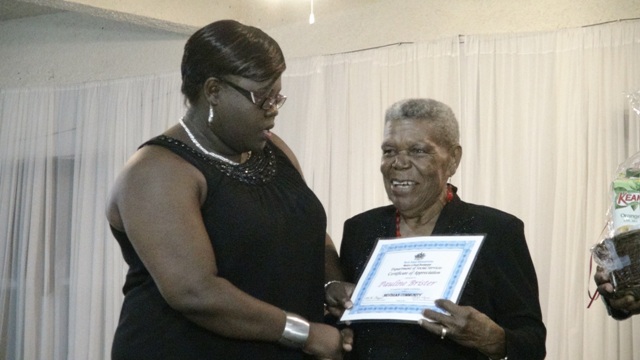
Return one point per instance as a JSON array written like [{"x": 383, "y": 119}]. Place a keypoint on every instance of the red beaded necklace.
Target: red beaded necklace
[{"x": 448, "y": 199}]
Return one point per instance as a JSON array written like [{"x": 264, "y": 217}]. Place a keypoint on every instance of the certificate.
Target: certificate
[{"x": 404, "y": 276}]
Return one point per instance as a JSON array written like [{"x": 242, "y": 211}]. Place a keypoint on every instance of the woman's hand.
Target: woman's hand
[
  {"x": 467, "y": 327},
  {"x": 338, "y": 297},
  {"x": 328, "y": 343},
  {"x": 602, "y": 279},
  {"x": 628, "y": 303}
]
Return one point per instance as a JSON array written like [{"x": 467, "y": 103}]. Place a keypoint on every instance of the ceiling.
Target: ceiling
[
  {"x": 186, "y": 15},
  {"x": 14, "y": 9}
]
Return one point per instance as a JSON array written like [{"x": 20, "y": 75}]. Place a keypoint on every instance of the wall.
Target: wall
[
  {"x": 69, "y": 47},
  {"x": 392, "y": 21}
]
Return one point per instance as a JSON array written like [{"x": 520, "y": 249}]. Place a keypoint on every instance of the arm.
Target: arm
[
  {"x": 338, "y": 292},
  {"x": 331, "y": 261},
  {"x": 515, "y": 294},
  {"x": 156, "y": 201},
  {"x": 513, "y": 325}
]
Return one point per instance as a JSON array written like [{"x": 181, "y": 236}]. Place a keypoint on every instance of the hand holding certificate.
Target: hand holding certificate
[{"x": 405, "y": 276}]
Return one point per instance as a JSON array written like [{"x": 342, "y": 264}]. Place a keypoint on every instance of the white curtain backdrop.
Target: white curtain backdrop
[{"x": 544, "y": 122}]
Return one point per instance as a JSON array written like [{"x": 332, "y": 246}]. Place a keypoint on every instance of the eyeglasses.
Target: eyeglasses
[{"x": 266, "y": 104}]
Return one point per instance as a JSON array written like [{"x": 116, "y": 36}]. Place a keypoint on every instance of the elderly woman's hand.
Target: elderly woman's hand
[
  {"x": 338, "y": 297},
  {"x": 627, "y": 304},
  {"x": 467, "y": 327}
]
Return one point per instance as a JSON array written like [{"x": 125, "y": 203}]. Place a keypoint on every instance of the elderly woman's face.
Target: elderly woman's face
[{"x": 415, "y": 167}]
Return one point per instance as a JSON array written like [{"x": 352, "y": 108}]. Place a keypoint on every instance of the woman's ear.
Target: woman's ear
[
  {"x": 456, "y": 155},
  {"x": 211, "y": 89}
]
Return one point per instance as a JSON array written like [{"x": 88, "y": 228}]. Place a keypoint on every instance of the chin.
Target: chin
[
  {"x": 257, "y": 147},
  {"x": 397, "y": 204}
]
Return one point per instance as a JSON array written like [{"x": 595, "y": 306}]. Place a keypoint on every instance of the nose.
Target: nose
[
  {"x": 271, "y": 112},
  {"x": 400, "y": 160}
]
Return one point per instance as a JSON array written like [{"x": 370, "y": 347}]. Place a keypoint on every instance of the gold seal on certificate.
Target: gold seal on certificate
[{"x": 406, "y": 275}]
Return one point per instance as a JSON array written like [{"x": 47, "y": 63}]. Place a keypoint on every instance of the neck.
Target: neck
[
  {"x": 192, "y": 133},
  {"x": 421, "y": 224}
]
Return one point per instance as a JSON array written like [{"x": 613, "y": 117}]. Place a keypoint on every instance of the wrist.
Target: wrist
[
  {"x": 328, "y": 283},
  {"x": 497, "y": 348},
  {"x": 296, "y": 331}
]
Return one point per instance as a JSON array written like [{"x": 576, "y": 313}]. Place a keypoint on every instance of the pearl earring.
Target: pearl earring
[{"x": 210, "y": 119}]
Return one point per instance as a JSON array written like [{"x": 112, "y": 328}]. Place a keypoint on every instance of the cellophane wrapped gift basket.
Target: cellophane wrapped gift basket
[{"x": 618, "y": 251}]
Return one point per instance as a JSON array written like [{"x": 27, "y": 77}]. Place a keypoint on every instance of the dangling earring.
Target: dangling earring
[
  {"x": 449, "y": 193},
  {"x": 210, "y": 119}
]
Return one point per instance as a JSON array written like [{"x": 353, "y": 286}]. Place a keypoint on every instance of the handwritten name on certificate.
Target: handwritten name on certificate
[{"x": 404, "y": 276}]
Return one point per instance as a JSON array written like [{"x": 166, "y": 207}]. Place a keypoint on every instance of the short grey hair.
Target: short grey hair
[{"x": 438, "y": 114}]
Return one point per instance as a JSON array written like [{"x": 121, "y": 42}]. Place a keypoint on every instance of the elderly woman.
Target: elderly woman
[
  {"x": 225, "y": 242},
  {"x": 498, "y": 315}
]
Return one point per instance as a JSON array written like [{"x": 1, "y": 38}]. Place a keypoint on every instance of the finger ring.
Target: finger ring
[{"x": 443, "y": 333}]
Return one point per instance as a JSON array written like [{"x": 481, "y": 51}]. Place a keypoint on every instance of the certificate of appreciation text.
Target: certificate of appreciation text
[{"x": 406, "y": 275}]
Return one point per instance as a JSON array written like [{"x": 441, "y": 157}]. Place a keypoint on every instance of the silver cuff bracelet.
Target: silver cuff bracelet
[{"x": 296, "y": 331}]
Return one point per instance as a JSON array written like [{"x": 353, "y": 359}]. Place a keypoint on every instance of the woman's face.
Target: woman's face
[
  {"x": 415, "y": 166},
  {"x": 239, "y": 123}
]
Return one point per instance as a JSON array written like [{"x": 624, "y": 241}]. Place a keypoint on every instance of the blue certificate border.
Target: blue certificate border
[{"x": 466, "y": 247}]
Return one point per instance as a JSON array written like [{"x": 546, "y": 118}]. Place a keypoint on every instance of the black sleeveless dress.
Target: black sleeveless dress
[{"x": 267, "y": 229}]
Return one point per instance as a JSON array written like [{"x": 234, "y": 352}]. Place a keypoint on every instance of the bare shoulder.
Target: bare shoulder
[
  {"x": 153, "y": 177},
  {"x": 277, "y": 141}
]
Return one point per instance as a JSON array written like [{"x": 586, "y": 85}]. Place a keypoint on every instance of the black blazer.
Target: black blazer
[{"x": 502, "y": 285}]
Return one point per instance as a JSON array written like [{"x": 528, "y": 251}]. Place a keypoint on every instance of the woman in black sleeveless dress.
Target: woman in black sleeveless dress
[{"x": 224, "y": 240}]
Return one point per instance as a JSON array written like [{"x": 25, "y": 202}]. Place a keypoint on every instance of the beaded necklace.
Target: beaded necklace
[{"x": 210, "y": 153}]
